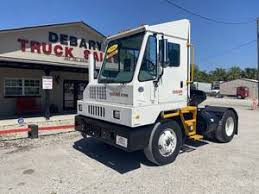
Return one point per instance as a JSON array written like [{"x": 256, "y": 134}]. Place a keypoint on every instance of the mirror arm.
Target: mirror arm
[{"x": 159, "y": 77}]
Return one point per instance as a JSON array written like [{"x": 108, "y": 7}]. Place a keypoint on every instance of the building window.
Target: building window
[
  {"x": 31, "y": 87},
  {"x": 21, "y": 87}
]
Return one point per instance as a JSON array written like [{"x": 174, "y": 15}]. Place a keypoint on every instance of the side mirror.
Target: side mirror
[{"x": 164, "y": 53}]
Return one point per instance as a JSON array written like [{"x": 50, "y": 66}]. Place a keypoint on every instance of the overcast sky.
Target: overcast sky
[{"x": 214, "y": 42}]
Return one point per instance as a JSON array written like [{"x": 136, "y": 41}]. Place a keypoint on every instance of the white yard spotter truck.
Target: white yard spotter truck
[{"x": 142, "y": 97}]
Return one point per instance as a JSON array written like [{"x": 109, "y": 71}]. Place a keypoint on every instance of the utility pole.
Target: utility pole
[{"x": 257, "y": 35}]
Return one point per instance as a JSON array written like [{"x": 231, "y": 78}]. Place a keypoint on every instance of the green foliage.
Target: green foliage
[
  {"x": 221, "y": 74},
  {"x": 234, "y": 72},
  {"x": 250, "y": 73}
]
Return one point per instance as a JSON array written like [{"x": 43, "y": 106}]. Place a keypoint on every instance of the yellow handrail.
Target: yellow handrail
[{"x": 192, "y": 66}]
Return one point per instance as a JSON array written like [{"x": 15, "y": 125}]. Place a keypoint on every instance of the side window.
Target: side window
[
  {"x": 173, "y": 54},
  {"x": 148, "y": 69}
]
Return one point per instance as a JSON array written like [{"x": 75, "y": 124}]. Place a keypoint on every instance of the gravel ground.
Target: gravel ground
[{"x": 66, "y": 163}]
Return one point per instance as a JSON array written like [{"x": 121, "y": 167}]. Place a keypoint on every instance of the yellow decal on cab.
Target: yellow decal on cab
[
  {"x": 110, "y": 55},
  {"x": 112, "y": 48}
]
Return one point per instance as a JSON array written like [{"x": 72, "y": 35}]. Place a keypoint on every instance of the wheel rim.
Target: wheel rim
[
  {"x": 167, "y": 142},
  {"x": 229, "y": 126}
]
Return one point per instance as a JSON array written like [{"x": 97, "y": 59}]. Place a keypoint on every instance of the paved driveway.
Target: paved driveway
[{"x": 66, "y": 163}]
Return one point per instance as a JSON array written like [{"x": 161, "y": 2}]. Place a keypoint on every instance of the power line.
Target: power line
[
  {"x": 232, "y": 49},
  {"x": 205, "y": 17}
]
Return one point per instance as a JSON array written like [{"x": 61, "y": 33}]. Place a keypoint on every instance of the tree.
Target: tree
[
  {"x": 250, "y": 73},
  {"x": 234, "y": 72},
  {"x": 219, "y": 74},
  {"x": 200, "y": 76}
]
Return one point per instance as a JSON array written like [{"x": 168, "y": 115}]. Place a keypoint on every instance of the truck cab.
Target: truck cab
[
  {"x": 135, "y": 79},
  {"x": 141, "y": 98}
]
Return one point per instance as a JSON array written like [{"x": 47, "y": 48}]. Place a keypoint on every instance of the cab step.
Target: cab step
[
  {"x": 196, "y": 137},
  {"x": 190, "y": 123}
]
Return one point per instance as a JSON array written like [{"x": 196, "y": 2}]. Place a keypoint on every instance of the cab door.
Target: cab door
[
  {"x": 148, "y": 72},
  {"x": 173, "y": 87}
]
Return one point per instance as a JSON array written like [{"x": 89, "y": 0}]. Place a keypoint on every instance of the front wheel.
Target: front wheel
[{"x": 164, "y": 143}]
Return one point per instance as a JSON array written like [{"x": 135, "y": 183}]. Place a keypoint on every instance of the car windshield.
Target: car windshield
[{"x": 120, "y": 59}]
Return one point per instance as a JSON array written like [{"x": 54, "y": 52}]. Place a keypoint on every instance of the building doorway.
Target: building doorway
[{"x": 72, "y": 91}]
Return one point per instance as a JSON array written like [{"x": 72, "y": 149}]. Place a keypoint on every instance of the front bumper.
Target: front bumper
[
  {"x": 104, "y": 111},
  {"x": 126, "y": 138}
]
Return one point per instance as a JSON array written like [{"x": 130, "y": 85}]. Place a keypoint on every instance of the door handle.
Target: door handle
[{"x": 181, "y": 84}]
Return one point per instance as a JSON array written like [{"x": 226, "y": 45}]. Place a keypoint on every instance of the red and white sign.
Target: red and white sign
[
  {"x": 47, "y": 83},
  {"x": 62, "y": 45}
]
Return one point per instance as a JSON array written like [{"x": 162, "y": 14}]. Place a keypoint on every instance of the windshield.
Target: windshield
[{"x": 120, "y": 59}]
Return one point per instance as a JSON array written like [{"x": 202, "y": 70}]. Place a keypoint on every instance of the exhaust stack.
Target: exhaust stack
[{"x": 91, "y": 68}]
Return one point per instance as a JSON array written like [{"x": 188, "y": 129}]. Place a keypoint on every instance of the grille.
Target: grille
[
  {"x": 96, "y": 110},
  {"x": 98, "y": 92}
]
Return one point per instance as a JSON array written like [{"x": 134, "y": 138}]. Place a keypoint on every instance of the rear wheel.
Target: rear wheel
[
  {"x": 226, "y": 130},
  {"x": 164, "y": 143}
]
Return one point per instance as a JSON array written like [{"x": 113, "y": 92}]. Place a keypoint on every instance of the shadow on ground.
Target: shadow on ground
[
  {"x": 119, "y": 160},
  {"x": 110, "y": 156}
]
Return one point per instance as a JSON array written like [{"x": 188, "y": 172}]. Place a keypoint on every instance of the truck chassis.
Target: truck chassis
[{"x": 168, "y": 132}]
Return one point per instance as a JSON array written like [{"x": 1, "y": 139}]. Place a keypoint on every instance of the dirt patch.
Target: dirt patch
[
  {"x": 28, "y": 171},
  {"x": 21, "y": 184},
  {"x": 20, "y": 149}
]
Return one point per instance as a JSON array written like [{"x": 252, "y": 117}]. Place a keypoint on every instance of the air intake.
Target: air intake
[
  {"x": 98, "y": 92},
  {"x": 96, "y": 110}
]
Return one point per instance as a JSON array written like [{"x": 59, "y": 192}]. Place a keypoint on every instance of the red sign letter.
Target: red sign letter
[
  {"x": 96, "y": 56},
  {"x": 86, "y": 54},
  {"x": 58, "y": 50},
  {"x": 46, "y": 51},
  {"x": 35, "y": 46},
  {"x": 23, "y": 44},
  {"x": 68, "y": 52}
]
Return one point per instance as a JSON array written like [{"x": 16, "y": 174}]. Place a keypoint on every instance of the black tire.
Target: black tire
[
  {"x": 221, "y": 133},
  {"x": 210, "y": 136},
  {"x": 152, "y": 150}
]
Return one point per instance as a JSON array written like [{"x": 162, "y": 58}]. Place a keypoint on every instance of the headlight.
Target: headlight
[
  {"x": 116, "y": 114},
  {"x": 80, "y": 107}
]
